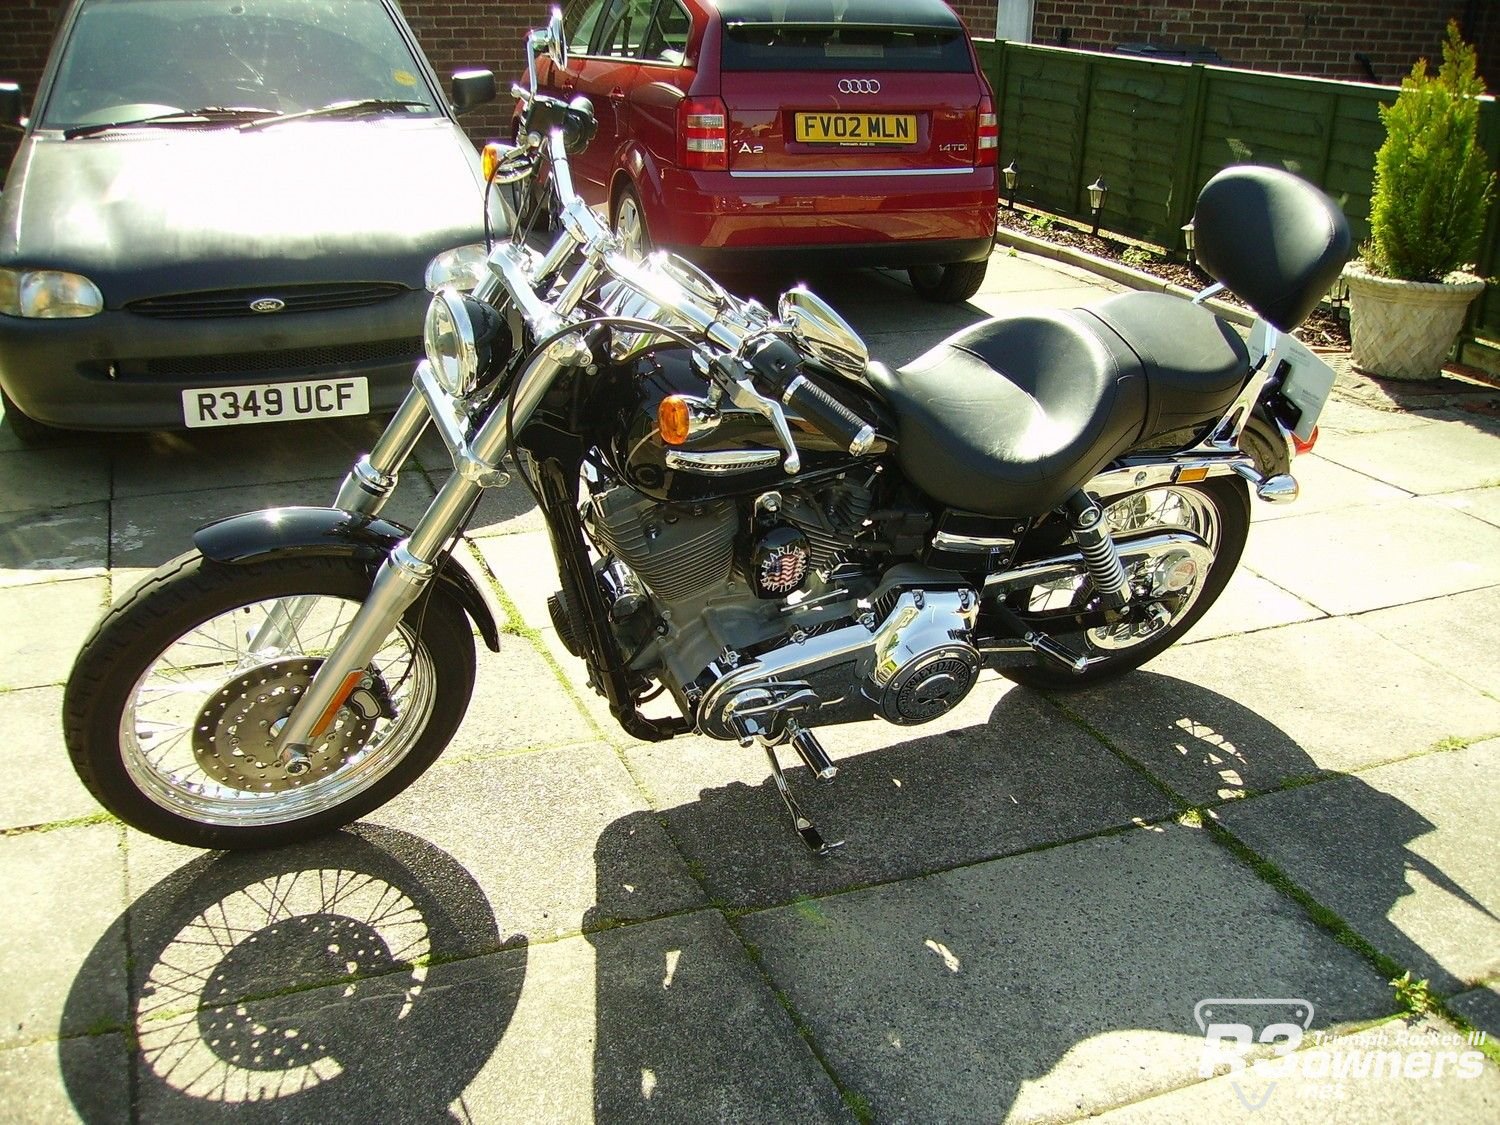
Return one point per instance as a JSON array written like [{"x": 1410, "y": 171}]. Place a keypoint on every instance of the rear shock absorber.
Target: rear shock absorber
[{"x": 1086, "y": 519}]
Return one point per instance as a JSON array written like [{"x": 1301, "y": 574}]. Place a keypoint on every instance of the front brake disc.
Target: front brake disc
[{"x": 234, "y": 737}]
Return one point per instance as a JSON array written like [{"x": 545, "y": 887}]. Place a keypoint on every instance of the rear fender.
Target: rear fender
[{"x": 254, "y": 536}]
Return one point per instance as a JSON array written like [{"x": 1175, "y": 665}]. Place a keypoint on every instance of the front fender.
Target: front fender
[{"x": 329, "y": 531}]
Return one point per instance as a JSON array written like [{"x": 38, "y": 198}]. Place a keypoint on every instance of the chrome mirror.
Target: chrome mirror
[
  {"x": 557, "y": 43},
  {"x": 826, "y": 334}
]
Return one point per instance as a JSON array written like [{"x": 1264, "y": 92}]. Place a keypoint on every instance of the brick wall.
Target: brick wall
[{"x": 1320, "y": 38}]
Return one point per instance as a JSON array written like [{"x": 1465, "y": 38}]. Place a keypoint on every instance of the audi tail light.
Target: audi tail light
[
  {"x": 703, "y": 125},
  {"x": 987, "y": 135}
]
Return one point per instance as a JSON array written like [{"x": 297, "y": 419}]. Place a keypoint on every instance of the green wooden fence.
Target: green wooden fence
[{"x": 1156, "y": 131}]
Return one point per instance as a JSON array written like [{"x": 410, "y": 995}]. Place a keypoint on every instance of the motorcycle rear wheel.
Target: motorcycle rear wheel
[
  {"x": 1217, "y": 511},
  {"x": 170, "y": 711}
]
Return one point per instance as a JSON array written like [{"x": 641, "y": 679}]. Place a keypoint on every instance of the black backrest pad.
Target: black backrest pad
[{"x": 1273, "y": 239}]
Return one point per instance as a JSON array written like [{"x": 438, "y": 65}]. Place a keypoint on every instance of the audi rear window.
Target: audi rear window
[{"x": 839, "y": 46}]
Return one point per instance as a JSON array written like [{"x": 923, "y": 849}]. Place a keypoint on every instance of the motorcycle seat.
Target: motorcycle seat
[{"x": 1009, "y": 416}]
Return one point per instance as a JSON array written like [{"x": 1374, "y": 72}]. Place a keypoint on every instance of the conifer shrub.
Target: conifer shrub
[{"x": 1432, "y": 179}]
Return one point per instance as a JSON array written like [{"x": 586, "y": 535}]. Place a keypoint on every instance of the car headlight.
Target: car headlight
[
  {"x": 48, "y": 294},
  {"x": 449, "y": 338},
  {"x": 460, "y": 268}
]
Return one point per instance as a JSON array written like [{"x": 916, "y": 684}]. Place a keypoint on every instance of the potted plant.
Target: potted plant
[{"x": 1409, "y": 290}]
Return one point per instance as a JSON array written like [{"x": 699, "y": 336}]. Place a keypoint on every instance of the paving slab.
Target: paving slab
[
  {"x": 44, "y": 479},
  {"x": 519, "y": 703},
  {"x": 1481, "y": 1008},
  {"x": 558, "y": 840},
  {"x": 46, "y": 936},
  {"x": 31, "y": 747},
  {"x": 38, "y": 546},
  {"x": 46, "y": 626},
  {"x": 523, "y": 565},
  {"x": 32, "y": 1088},
  {"x": 1326, "y": 486},
  {"x": 1376, "y": 556},
  {"x": 1315, "y": 1087},
  {"x": 236, "y": 456},
  {"x": 400, "y": 1046},
  {"x": 1047, "y": 986},
  {"x": 149, "y": 529},
  {"x": 1216, "y": 719},
  {"x": 1443, "y": 456},
  {"x": 1341, "y": 415},
  {"x": 1001, "y": 773},
  {"x": 1457, "y": 634},
  {"x": 1400, "y": 854},
  {"x": 1248, "y": 603},
  {"x": 1481, "y": 503},
  {"x": 642, "y": 1020}
]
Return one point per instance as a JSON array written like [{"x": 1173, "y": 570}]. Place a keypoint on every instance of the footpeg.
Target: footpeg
[
  {"x": 813, "y": 756},
  {"x": 1040, "y": 642}
]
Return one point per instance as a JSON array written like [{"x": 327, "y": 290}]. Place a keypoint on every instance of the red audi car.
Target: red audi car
[{"x": 853, "y": 131}]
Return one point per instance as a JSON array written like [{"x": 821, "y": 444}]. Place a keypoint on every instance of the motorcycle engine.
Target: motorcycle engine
[{"x": 729, "y": 602}]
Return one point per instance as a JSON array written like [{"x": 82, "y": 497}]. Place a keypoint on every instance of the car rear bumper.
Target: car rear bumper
[
  {"x": 122, "y": 371},
  {"x": 933, "y": 218}
]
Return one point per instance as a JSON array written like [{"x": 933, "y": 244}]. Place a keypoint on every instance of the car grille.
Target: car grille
[
  {"x": 289, "y": 360},
  {"x": 295, "y": 298}
]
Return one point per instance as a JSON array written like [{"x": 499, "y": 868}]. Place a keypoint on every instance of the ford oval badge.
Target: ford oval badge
[{"x": 267, "y": 305}]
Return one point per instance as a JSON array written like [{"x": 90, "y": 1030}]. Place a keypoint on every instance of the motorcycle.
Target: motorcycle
[{"x": 748, "y": 514}]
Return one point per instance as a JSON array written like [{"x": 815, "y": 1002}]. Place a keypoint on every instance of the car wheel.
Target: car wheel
[
  {"x": 28, "y": 430},
  {"x": 630, "y": 223},
  {"x": 954, "y": 282}
]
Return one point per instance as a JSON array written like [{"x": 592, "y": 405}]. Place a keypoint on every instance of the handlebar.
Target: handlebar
[
  {"x": 780, "y": 367},
  {"x": 753, "y": 351}
]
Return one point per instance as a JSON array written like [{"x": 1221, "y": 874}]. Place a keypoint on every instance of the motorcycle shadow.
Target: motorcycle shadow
[
  {"x": 949, "y": 984},
  {"x": 333, "y": 981}
]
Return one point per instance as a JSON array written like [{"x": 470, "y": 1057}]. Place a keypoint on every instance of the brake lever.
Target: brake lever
[{"x": 744, "y": 395}]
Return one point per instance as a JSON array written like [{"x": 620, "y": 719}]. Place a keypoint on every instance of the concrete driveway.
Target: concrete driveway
[{"x": 1042, "y": 903}]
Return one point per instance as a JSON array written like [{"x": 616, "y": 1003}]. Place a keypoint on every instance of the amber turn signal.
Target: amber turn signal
[
  {"x": 674, "y": 419},
  {"x": 489, "y": 160}
]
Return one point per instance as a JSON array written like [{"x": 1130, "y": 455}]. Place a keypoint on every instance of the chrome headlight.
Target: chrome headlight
[
  {"x": 48, "y": 294},
  {"x": 462, "y": 268},
  {"x": 449, "y": 337}
]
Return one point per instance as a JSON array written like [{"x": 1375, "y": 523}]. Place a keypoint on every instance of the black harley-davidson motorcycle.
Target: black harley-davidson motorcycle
[{"x": 746, "y": 512}]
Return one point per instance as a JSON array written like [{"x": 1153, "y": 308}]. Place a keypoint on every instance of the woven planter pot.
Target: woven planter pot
[{"x": 1405, "y": 329}]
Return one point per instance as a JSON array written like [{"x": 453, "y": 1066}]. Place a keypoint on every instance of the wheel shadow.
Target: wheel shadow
[{"x": 328, "y": 981}]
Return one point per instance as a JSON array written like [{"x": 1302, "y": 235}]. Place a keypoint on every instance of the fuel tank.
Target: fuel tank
[{"x": 729, "y": 451}]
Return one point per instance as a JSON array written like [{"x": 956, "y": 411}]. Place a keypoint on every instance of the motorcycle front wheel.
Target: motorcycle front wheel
[
  {"x": 1217, "y": 511},
  {"x": 173, "y": 705}
]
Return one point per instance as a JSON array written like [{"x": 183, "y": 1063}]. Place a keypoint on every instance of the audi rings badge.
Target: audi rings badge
[{"x": 859, "y": 86}]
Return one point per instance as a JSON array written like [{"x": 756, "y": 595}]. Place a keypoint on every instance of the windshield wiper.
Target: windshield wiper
[
  {"x": 338, "y": 109},
  {"x": 176, "y": 117}
]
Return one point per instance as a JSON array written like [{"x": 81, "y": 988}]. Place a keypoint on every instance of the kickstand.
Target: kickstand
[{"x": 804, "y": 825}]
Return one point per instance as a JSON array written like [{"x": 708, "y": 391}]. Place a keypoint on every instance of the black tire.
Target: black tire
[
  {"x": 627, "y": 204},
  {"x": 28, "y": 430},
  {"x": 954, "y": 282},
  {"x": 191, "y": 591},
  {"x": 1230, "y": 502}
]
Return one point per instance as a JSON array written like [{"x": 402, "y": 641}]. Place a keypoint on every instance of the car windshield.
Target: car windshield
[{"x": 128, "y": 60}]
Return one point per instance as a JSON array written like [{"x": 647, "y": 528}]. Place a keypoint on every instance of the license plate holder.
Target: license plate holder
[
  {"x": 855, "y": 129},
  {"x": 1306, "y": 383},
  {"x": 249, "y": 404}
]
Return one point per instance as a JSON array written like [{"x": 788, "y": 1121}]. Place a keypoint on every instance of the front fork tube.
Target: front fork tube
[
  {"x": 410, "y": 566},
  {"x": 372, "y": 480},
  {"x": 366, "y": 488}
]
